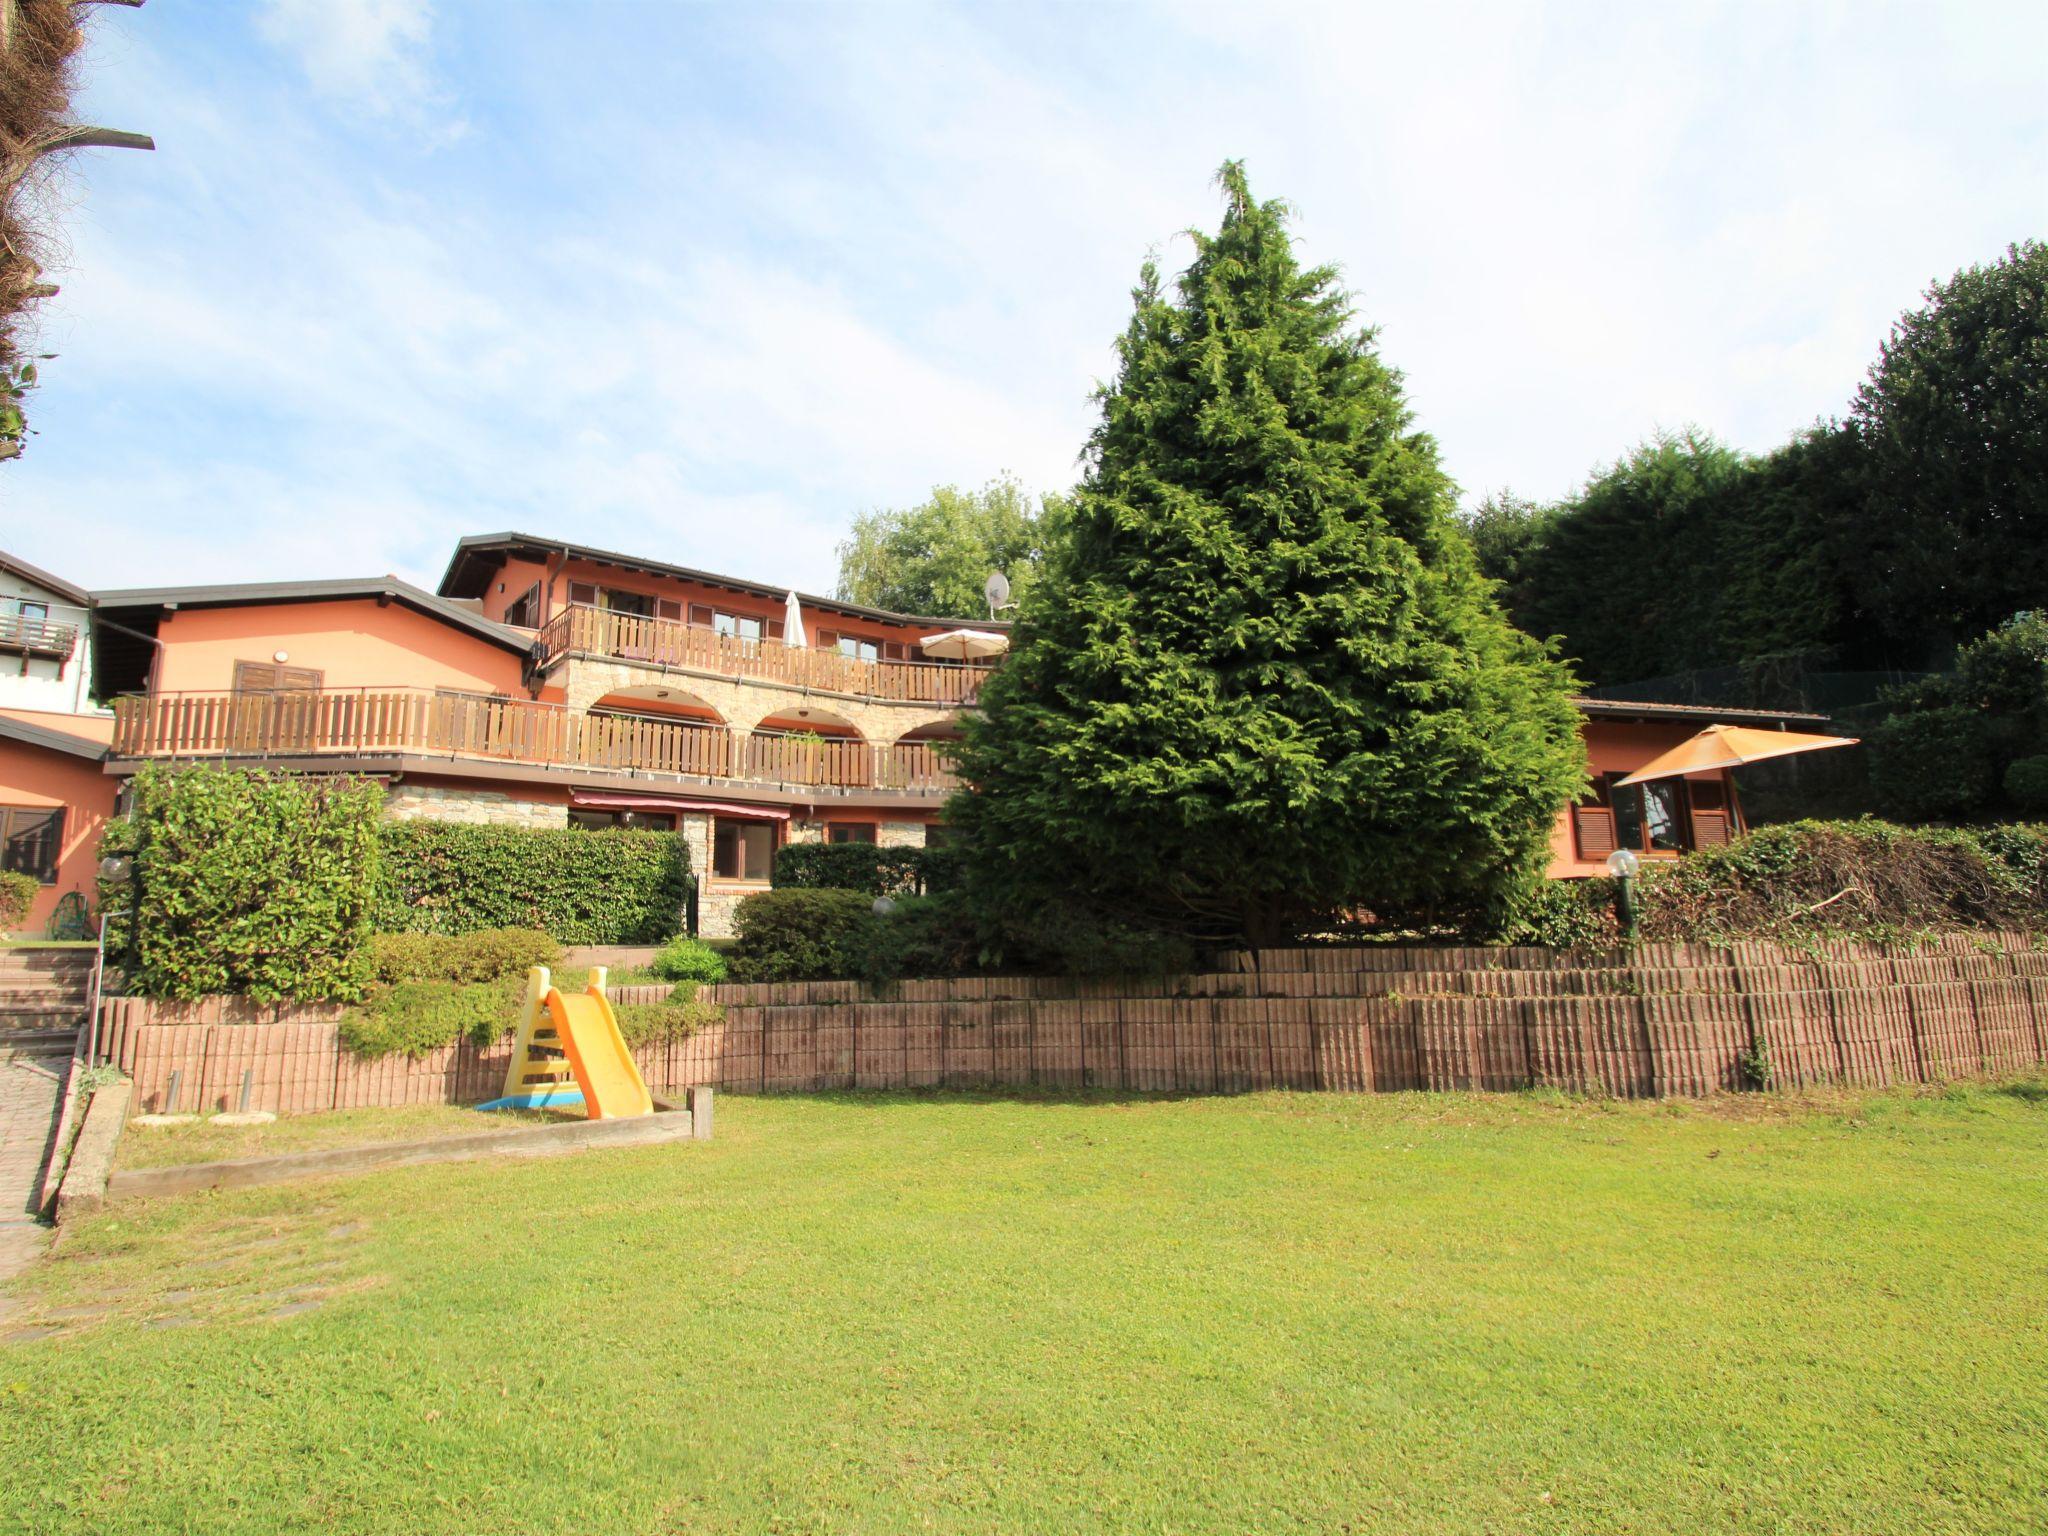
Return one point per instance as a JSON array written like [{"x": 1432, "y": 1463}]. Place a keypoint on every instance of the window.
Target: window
[
  {"x": 742, "y": 850},
  {"x": 525, "y": 614},
  {"x": 849, "y": 831},
  {"x": 29, "y": 839},
  {"x": 858, "y": 649},
  {"x": 1649, "y": 818},
  {"x": 29, "y": 610},
  {"x": 743, "y": 625},
  {"x": 622, "y": 821}
]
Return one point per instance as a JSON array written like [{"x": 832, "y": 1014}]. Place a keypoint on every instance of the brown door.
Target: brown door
[{"x": 275, "y": 708}]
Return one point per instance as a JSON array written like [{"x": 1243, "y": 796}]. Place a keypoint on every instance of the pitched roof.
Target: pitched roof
[
  {"x": 469, "y": 570},
  {"x": 54, "y": 741},
  {"x": 71, "y": 594},
  {"x": 388, "y": 588}
]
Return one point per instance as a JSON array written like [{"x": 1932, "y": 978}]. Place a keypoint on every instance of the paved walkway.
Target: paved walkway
[{"x": 28, "y": 1118}]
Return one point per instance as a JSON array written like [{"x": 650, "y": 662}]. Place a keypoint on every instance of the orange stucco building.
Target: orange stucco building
[{"x": 549, "y": 684}]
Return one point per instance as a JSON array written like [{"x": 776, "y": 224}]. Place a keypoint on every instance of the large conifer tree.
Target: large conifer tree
[{"x": 1261, "y": 680}]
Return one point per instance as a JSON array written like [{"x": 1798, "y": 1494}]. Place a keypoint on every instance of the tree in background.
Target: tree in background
[
  {"x": 39, "y": 40},
  {"x": 935, "y": 558},
  {"x": 1261, "y": 680},
  {"x": 1971, "y": 742},
  {"x": 1953, "y": 422}
]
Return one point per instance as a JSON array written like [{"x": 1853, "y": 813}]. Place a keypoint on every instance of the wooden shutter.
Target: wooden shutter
[
  {"x": 775, "y": 629},
  {"x": 895, "y": 650},
  {"x": 583, "y": 592},
  {"x": 828, "y": 639},
  {"x": 668, "y": 608},
  {"x": 1711, "y": 824},
  {"x": 700, "y": 615},
  {"x": 263, "y": 677},
  {"x": 1593, "y": 828}
]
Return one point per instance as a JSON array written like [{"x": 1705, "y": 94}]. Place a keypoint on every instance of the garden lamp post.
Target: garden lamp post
[{"x": 1622, "y": 864}]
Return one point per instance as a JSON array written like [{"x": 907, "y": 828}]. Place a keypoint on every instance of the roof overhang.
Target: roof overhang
[
  {"x": 51, "y": 741},
  {"x": 382, "y": 589},
  {"x": 77, "y": 596},
  {"x": 1690, "y": 714}
]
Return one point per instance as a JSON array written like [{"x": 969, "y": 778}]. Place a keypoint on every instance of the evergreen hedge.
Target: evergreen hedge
[
  {"x": 580, "y": 887},
  {"x": 251, "y": 882},
  {"x": 867, "y": 867}
]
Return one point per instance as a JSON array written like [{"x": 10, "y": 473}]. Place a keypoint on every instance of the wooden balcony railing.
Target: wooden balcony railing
[
  {"x": 40, "y": 637},
  {"x": 343, "y": 721},
  {"x": 668, "y": 643}
]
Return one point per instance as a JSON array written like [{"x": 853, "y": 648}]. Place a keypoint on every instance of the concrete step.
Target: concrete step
[
  {"x": 37, "y": 1021},
  {"x": 37, "y": 1045},
  {"x": 42, "y": 1000}
]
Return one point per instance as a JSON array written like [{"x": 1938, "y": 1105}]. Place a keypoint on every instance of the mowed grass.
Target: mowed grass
[{"x": 1273, "y": 1313}]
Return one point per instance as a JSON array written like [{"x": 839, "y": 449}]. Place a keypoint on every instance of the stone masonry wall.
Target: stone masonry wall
[{"x": 485, "y": 807}]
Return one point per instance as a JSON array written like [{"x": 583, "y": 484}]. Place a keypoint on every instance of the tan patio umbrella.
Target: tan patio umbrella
[
  {"x": 965, "y": 644},
  {"x": 1730, "y": 746}
]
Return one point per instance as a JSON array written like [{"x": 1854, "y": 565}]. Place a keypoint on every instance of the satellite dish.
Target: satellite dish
[{"x": 997, "y": 590}]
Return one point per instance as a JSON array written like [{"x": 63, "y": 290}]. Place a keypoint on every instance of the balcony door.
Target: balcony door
[{"x": 274, "y": 708}]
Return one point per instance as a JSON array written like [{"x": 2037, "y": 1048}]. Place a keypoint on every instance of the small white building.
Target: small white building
[{"x": 45, "y": 641}]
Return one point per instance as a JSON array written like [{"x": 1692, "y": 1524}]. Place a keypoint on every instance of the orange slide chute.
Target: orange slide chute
[{"x": 605, "y": 1070}]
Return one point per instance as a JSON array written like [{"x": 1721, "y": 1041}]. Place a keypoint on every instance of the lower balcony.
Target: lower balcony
[
  {"x": 27, "y": 635},
  {"x": 358, "y": 724}
]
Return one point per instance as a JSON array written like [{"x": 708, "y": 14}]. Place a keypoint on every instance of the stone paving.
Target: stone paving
[{"x": 28, "y": 1116}]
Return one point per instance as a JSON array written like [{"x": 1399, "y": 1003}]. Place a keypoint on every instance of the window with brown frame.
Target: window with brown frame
[
  {"x": 849, "y": 831},
  {"x": 742, "y": 850},
  {"x": 30, "y": 838},
  {"x": 525, "y": 614},
  {"x": 1657, "y": 819}
]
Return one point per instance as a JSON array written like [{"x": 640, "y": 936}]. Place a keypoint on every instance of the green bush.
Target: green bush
[
  {"x": 687, "y": 959},
  {"x": 413, "y": 1018},
  {"x": 2026, "y": 784},
  {"x": 867, "y": 867},
  {"x": 17, "y": 892},
  {"x": 489, "y": 954},
  {"x": 678, "y": 1017},
  {"x": 252, "y": 882},
  {"x": 581, "y": 887},
  {"x": 802, "y": 935},
  {"x": 1871, "y": 878},
  {"x": 1565, "y": 914}
]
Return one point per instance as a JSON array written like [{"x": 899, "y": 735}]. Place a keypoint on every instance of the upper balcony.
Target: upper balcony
[
  {"x": 22, "y": 634},
  {"x": 420, "y": 725},
  {"x": 671, "y": 645}
]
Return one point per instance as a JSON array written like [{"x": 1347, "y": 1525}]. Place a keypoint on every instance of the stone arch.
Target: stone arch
[{"x": 683, "y": 705}]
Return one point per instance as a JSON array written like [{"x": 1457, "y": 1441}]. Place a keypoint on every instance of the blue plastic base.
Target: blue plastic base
[{"x": 545, "y": 1098}]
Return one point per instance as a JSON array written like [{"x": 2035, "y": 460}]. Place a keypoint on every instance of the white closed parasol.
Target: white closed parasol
[{"x": 793, "y": 621}]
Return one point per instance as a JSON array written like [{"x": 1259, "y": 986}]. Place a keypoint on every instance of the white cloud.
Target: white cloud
[{"x": 369, "y": 53}]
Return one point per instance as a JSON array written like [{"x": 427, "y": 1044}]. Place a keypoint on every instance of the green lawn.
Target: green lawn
[{"x": 1271, "y": 1313}]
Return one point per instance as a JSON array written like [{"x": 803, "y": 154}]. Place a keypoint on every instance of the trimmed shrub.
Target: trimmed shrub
[
  {"x": 581, "y": 887},
  {"x": 2026, "y": 785},
  {"x": 1565, "y": 914},
  {"x": 252, "y": 882},
  {"x": 802, "y": 935},
  {"x": 413, "y": 1018},
  {"x": 17, "y": 892},
  {"x": 687, "y": 959},
  {"x": 867, "y": 867},
  {"x": 489, "y": 954}
]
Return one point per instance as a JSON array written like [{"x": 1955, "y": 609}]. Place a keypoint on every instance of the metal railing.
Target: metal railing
[
  {"x": 669, "y": 643},
  {"x": 19, "y": 632},
  {"x": 432, "y": 723}
]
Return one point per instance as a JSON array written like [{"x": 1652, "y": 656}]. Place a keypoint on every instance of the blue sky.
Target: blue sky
[{"x": 703, "y": 281}]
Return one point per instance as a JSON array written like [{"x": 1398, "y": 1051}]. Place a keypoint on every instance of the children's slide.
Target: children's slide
[
  {"x": 569, "y": 1051},
  {"x": 604, "y": 1068}
]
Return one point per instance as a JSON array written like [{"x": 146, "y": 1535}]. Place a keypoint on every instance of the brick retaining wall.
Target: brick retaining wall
[{"x": 1665, "y": 1020}]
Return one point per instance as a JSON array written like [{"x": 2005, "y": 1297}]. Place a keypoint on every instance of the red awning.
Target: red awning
[{"x": 597, "y": 800}]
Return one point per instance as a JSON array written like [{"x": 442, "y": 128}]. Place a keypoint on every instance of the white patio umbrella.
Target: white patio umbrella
[
  {"x": 965, "y": 644},
  {"x": 793, "y": 621}
]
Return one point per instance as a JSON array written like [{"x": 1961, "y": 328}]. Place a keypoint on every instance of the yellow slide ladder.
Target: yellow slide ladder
[{"x": 567, "y": 1038}]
